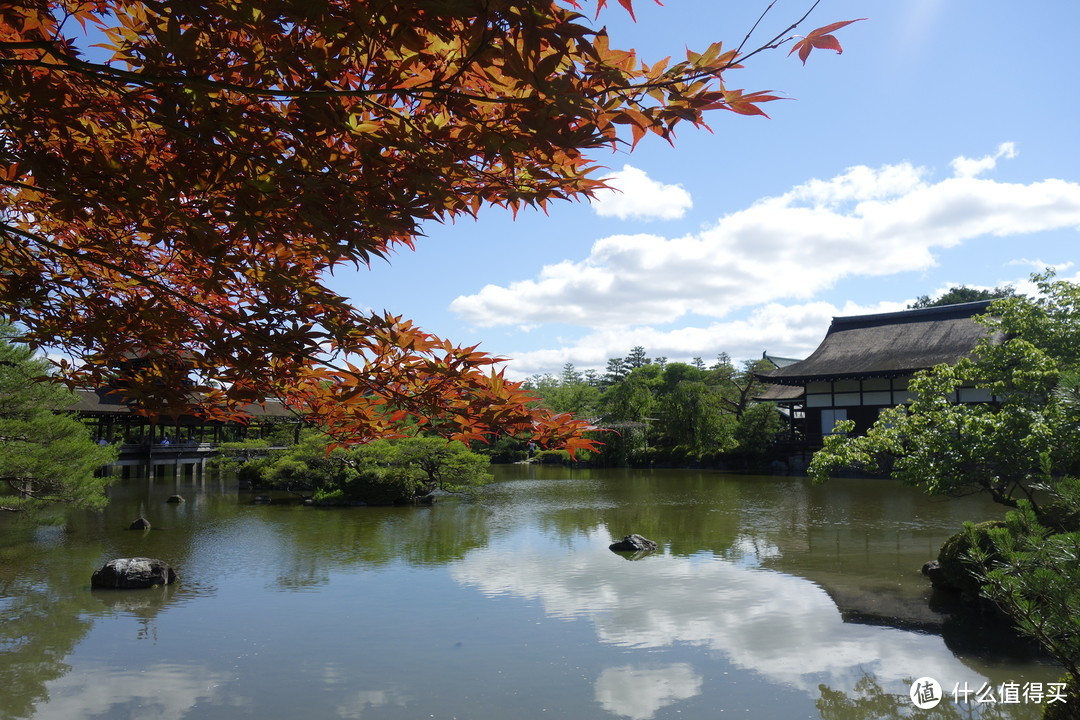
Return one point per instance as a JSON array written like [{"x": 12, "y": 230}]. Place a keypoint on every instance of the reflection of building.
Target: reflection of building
[{"x": 865, "y": 362}]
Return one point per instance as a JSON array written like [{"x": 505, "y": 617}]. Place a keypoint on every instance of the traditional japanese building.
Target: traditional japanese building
[
  {"x": 865, "y": 362},
  {"x": 183, "y": 442}
]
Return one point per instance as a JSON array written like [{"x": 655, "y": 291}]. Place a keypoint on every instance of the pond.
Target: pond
[{"x": 768, "y": 598}]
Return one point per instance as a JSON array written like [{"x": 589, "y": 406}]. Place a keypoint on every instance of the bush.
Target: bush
[
  {"x": 1059, "y": 517},
  {"x": 369, "y": 486},
  {"x": 552, "y": 457},
  {"x": 253, "y": 473},
  {"x": 1033, "y": 576},
  {"x": 1068, "y": 710},
  {"x": 380, "y": 473},
  {"x": 503, "y": 450}
]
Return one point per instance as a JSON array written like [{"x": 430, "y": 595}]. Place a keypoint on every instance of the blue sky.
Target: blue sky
[{"x": 939, "y": 149}]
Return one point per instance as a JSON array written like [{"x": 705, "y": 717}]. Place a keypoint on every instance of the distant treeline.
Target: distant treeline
[{"x": 664, "y": 413}]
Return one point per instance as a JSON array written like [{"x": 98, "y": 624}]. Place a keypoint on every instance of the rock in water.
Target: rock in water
[
  {"x": 633, "y": 543},
  {"x": 933, "y": 571},
  {"x": 175, "y": 499},
  {"x": 140, "y": 524},
  {"x": 133, "y": 573}
]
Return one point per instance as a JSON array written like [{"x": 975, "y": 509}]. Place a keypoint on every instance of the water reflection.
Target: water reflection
[
  {"x": 870, "y": 701},
  {"x": 161, "y": 691},
  {"x": 506, "y": 605},
  {"x": 639, "y": 693},
  {"x": 356, "y": 705},
  {"x": 780, "y": 626}
]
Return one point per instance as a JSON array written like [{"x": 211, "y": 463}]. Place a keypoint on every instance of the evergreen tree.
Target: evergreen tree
[
  {"x": 616, "y": 370},
  {"x": 46, "y": 455},
  {"x": 962, "y": 294},
  {"x": 636, "y": 358},
  {"x": 570, "y": 374}
]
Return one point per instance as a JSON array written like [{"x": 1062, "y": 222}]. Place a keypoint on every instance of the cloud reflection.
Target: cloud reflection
[
  {"x": 356, "y": 704},
  {"x": 639, "y": 693},
  {"x": 161, "y": 692},
  {"x": 782, "y": 627}
]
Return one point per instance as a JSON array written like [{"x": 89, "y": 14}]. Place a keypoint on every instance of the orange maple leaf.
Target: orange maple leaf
[{"x": 820, "y": 38}]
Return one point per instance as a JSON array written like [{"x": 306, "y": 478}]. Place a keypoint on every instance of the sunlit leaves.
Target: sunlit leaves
[
  {"x": 1025, "y": 435},
  {"x": 173, "y": 198},
  {"x": 821, "y": 39}
]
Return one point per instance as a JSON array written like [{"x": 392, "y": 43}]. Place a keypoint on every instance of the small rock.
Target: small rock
[
  {"x": 140, "y": 524},
  {"x": 633, "y": 543},
  {"x": 133, "y": 573},
  {"x": 934, "y": 571},
  {"x": 175, "y": 499}
]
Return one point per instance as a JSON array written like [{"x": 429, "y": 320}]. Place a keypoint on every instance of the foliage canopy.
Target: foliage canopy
[
  {"x": 179, "y": 192},
  {"x": 668, "y": 412},
  {"x": 962, "y": 294}
]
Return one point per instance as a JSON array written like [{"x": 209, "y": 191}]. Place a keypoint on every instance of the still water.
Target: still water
[{"x": 768, "y": 598}]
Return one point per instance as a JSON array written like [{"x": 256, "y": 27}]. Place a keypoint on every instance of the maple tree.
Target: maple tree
[{"x": 178, "y": 178}]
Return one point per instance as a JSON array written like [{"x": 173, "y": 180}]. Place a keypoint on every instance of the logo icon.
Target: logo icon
[{"x": 925, "y": 693}]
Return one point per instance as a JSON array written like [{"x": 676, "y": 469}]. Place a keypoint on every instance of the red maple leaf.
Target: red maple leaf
[{"x": 820, "y": 38}]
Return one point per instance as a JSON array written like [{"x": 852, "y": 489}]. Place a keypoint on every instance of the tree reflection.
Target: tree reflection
[
  {"x": 37, "y": 632},
  {"x": 870, "y": 701}
]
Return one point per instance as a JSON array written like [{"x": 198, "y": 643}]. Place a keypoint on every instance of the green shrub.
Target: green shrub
[
  {"x": 1059, "y": 517},
  {"x": 1068, "y": 710},
  {"x": 1033, "y": 576},
  {"x": 254, "y": 472},
  {"x": 380, "y": 473},
  {"x": 369, "y": 486},
  {"x": 552, "y": 457}
]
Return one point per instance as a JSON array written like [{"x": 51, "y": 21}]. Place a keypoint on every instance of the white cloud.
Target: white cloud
[
  {"x": 968, "y": 167},
  {"x": 864, "y": 222},
  {"x": 1039, "y": 265},
  {"x": 783, "y": 330},
  {"x": 636, "y": 196}
]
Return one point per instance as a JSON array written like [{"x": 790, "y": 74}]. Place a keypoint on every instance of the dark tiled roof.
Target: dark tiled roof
[
  {"x": 889, "y": 344},
  {"x": 778, "y": 361},
  {"x": 103, "y": 401},
  {"x": 781, "y": 393}
]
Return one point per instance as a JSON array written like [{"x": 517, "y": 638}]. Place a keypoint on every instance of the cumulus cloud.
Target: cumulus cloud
[
  {"x": 636, "y": 196},
  {"x": 967, "y": 167},
  {"x": 864, "y": 222},
  {"x": 783, "y": 330}
]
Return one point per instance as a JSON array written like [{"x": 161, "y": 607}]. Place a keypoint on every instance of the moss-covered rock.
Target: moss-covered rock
[{"x": 957, "y": 571}]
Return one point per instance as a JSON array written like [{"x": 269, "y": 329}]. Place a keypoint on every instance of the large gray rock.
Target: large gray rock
[
  {"x": 133, "y": 573},
  {"x": 633, "y": 543}
]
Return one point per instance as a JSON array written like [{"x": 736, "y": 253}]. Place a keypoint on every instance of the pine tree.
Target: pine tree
[{"x": 46, "y": 455}]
